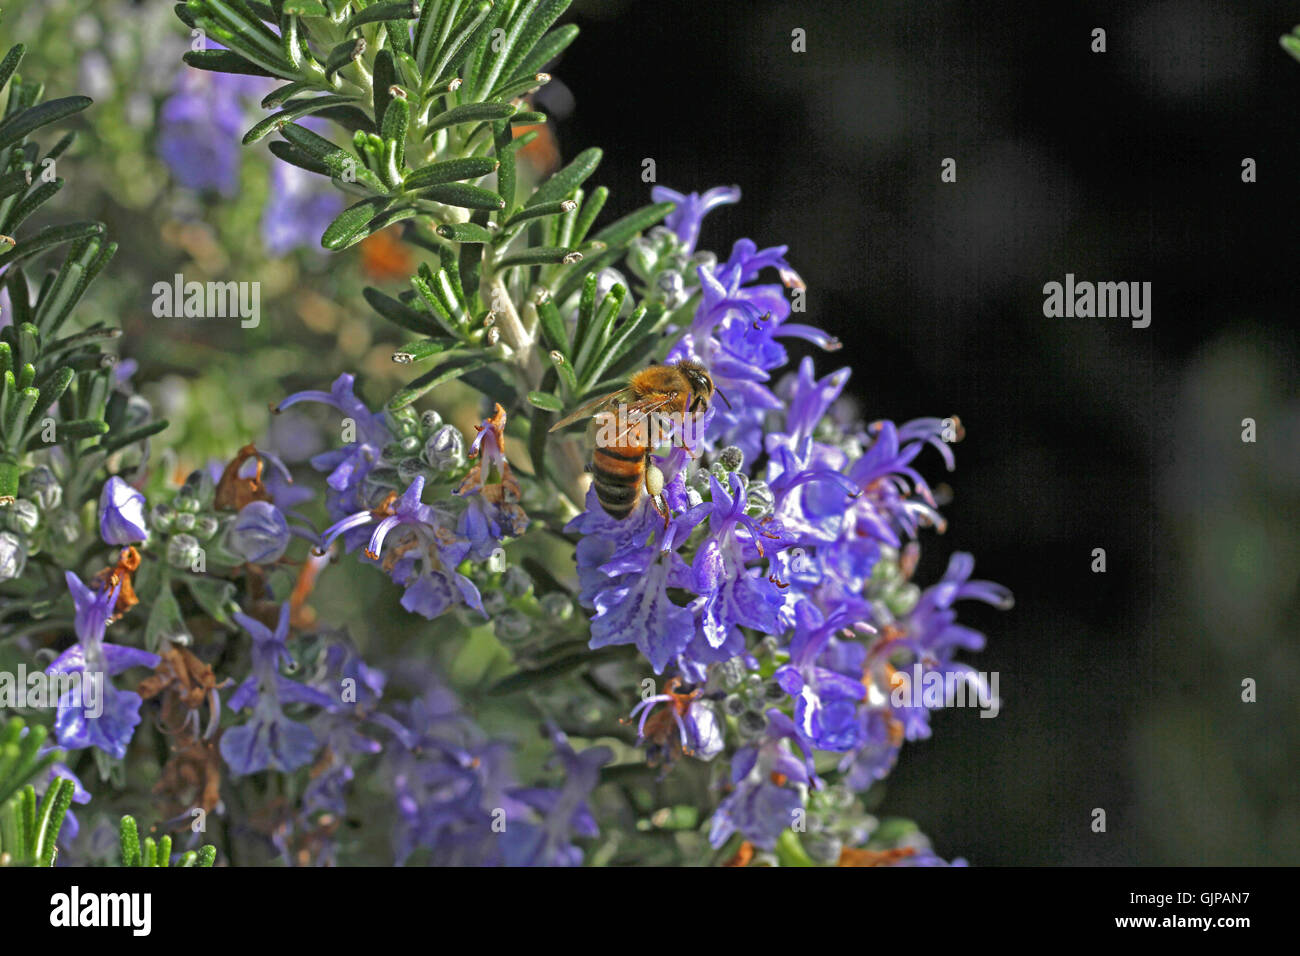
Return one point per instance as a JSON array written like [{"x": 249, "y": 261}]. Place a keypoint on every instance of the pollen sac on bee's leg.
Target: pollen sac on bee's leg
[
  {"x": 654, "y": 486},
  {"x": 654, "y": 481}
]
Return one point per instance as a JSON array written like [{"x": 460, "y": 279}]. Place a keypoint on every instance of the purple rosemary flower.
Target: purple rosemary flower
[
  {"x": 927, "y": 857},
  {"x": 888, "y": 505},
  {"x": 806, "y": 399},
  {"x": 260, "y": 533},
  {"x": 200, "y": 125},
  {"x": 769, "y": 783},
  {"x": 270, "y": 739},
  {"x": 491, "y": 492},
  {"x": 691, "y": 209},
  {"x": 563, "y": 811},
  {"x": 826, "y": 701},
  {"x": 607, "y": 539},
  {"x": 366, "y": 434},
  {"x": 121, "y": 514},
  {"x": 637, "y": 609},
  {"x": 927, "y": 638},
  {"x": 737, "y": 325},
  {"x": 458, "y": 800},
  {"x": 732, "y": 594},
  {"x": 626, "y": 567},
  {"x": 735, "y": 332},
  {"x": 357, "y": 684},
  {"x": 297, "y": 211},
  {"x": 357, "y": 689},
  {"x": 423, "y": 552},
  {"x": 452, "y": 786},
  {"x": 94, "y": 713}
]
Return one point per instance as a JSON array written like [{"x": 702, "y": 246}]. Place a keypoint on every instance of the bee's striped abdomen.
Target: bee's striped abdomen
[{"x": 617, "y": 475}]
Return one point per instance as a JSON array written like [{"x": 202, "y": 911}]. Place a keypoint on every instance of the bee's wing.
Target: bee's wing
[
  {"x": 591, "y": 408},
  {"x": 637, "y": 412}
]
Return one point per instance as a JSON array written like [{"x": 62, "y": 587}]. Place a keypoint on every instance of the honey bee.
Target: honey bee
[{"x": 620, "y": 464}]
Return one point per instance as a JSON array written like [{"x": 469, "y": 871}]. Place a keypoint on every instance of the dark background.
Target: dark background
[{"x": 1120, "y": 690}]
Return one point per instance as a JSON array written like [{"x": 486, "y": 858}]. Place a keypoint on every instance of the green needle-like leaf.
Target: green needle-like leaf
[
  {"x": 353, "y": 224},
  {"x": 567, "y": 180},
  {"x": 131, "y": 436},
  {"x": 344, "y": 54},
  {"x": 48, "y": 237},
  {"x": 399, "y": 313},
  {"x": 49, "y": 820},
  {"x": 462, "y": 33},
  {"x": 464, "y": 232},
  {"x": 16, "y": 127},
  {"x": 539, "y": 255},
  {"x": 296, "y": 109},
  {"x": 469, "y": 113},
  {"x": 431, "y": 380},
  {"x": 619, "y": 232},
  {"x": 129, "y": 841},
  {"x": 449, "y": 171},
  {"x": 408, "y": 10},
  {"x": 463, "y": 195},
  {"x": 545, "y": 401},
  {"x": 223, "y": 61},
  {"x": 424, "y": 349},
  {"x": 552, "y": 325},
  {"x": 10, "y": 63}
]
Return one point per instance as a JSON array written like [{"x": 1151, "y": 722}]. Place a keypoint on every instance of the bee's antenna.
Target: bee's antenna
[{"x": 723, "y": 397}]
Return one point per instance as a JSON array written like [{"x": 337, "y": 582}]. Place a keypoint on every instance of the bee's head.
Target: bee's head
[{"x": 700, "y": 381}]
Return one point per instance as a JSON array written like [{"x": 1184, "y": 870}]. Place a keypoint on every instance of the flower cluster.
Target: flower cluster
[
  {"x": 809, "y": 551},
  {"x": 724, "y": 663},
  {"x": 458, "y": 800},
  {"x": 455, "y": 792},
  {"x": 377, "y": 482}
]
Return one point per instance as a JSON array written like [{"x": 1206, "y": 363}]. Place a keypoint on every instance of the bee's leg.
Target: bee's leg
[
  {"x": 654, "y": 486},
  {"x": 661, "y": 506}
]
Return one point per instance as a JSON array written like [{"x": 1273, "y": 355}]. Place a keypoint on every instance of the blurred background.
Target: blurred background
[{"x": 1121, "y": 690}]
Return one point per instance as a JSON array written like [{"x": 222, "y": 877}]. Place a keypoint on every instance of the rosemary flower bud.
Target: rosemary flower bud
[
  {"x": 183, "y": 551},
  {"x": 43, "y": 488},
  {"x": 445, "y": 449},
  {"x": 22, "y": 516},
  {"x": 13, "y": 556},
  {"x": 556, "y": 605}
]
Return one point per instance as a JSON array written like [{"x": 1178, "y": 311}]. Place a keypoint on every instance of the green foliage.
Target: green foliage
[
  {"x": 157, "y": 852},
  {"x": 29, "y": 830},
  {"x": 28, "y": 827},
  {"x": 20, "y": 761},
  {"x": 57, "y": 385},
  {"x": 1291, "y": 42},
  {"x": 432, "y": 95}
]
